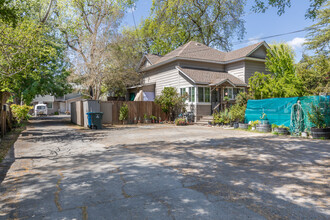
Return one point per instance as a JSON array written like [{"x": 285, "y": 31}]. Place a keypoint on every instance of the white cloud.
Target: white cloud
[
  {"x": 297, "y": 42},
  {"x": 254, "y": 40}
]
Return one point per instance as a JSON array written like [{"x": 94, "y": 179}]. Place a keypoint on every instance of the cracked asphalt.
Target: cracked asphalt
[{"x": 59, "y": 171}]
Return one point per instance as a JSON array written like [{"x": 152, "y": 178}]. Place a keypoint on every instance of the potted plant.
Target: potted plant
[
  {"x": 304, "y": 134},
  {"x": 180, "y": 122},
  {"x": 254, "y": 124},
  {"x": 280, "y": 129},
  {"x": 123, "y": 113},
  {"x": 318, "y": 119},
  {"x": 153, "y": 118},
  {"x": 146, "y": 119}
]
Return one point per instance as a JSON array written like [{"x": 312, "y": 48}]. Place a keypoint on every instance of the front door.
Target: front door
[{"x": 215, "y": 100}]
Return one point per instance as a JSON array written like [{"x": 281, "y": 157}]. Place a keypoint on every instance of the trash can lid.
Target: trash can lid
[{"x": 94, "y": 113}]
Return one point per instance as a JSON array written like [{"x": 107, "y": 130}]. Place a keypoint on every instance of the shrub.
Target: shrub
[
  {"x": 123, "y": 112},
  {"x": 225, "y": 116},
  {"x": 20, "y": 112},
  {"x": 56, "y": 113},
  {"x": 237, "y": 113},
  {"x": 180, "y": 122},
  {"x": 316, "y": 117},
  {"x": 171, "y": 102}
]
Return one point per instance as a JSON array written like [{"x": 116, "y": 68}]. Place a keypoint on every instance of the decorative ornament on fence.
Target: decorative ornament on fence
[{"x": 297, "y": 124}]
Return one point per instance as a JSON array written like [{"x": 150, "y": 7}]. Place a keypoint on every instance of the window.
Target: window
[
  {"x": 183, "y": 91},
  {"x": 191, "y": 94},
  {"x": 203, "y": 94},
  {"x": 41, "y": 107},
  {"x": 207, "y": 94},
  {"x": 232, "y": 92},
  {"x": 200, "y": 94},
  {"x": 236, "y": 91},
  {"x": 49, "y": 104}
]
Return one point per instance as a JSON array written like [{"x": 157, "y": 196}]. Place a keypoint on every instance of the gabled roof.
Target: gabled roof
[
  {"x": 243, "y": 52},
  {"x": 199, "y": 76},
  {"x": 153, "y": 58},
  {"x": 194, "y": 50},
  {"x": 200, "y": 52}
]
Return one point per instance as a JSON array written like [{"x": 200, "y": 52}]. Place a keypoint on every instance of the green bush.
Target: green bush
[
  {"x": 237, "y": 113},
  {"x": 316, "y": 117},
  {"x": 171, "y": 102},
  {"x": 20, "y": 112},
  {"x": 123, "y": 112},
  {"x": 56, "y": 113}
]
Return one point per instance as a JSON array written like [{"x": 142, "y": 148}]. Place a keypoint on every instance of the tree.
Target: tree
[
  {"x": 319, "y": 37},
  {"x": 170, "y": 102},
  {"x": 8, "y": 13},
  {"x": 121, "y": 69},
  {"x": 281, "y": 5},
  {"x": 314, "y": 71},
  {"x": 31, "y": 61},
  {"x": 282, "y": 80},
  {"x": 173, "y": 23},
  {"x": 260, "y": 85},
  {"x": 88, "y": 27}
]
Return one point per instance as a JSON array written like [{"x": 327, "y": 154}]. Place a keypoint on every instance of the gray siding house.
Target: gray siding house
[{"x": 207, "y": 75}]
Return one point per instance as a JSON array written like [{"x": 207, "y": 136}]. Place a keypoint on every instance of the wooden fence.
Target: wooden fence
[
  {"x": 136, "y": 111},
  {"x": 110, "y": 109}
]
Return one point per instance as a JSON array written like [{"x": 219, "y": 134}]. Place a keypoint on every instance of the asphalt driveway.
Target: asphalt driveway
[{"x": 59, "y": 171}]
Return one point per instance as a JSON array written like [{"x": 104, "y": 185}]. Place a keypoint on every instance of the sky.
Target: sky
[{"x": 258, "y": 25}]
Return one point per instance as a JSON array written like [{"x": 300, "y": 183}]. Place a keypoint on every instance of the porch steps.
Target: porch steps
[{"x": 204, "y": 120}]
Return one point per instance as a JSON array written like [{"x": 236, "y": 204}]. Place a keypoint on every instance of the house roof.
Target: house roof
[
  {"x": 200, "y": 76},
  {"x": 242, "y": 52},
  {"x": 198, "y": 51},
  {"x": 195, "y": 50},
  {"x": 153, "y": 58}
]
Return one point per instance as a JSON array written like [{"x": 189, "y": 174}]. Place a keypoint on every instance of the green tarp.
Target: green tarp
[{"x": 278, "y": 110}]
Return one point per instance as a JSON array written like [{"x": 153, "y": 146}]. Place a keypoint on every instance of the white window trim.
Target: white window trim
[
  {"x": 203, "y": 103},
  {"x": 187, "y": 91}
]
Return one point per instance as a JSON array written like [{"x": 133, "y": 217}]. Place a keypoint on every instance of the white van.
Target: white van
[{"x": 40, "y": 109}]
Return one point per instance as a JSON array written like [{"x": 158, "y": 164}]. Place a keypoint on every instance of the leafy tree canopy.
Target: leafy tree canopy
[
  {"x": 173, "y": 23},
  {"x": 318, "y": 38},
  {"x": 281, "y": 5},
  {"x": 282, "y": 80}
]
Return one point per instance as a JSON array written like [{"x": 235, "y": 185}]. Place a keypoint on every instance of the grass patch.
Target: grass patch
[{"x": 9, "y": 139}]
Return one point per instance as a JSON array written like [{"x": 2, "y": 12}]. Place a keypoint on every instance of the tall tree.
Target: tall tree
[
  {"x": 88, "y": 27},
  {"x": 283, "y": 80},
  {"x": 318, "y": 38},
  {"x": 281, "y": 5},
  {"x": 314, "y": 71},
  {"x": 173, "y": 23}
]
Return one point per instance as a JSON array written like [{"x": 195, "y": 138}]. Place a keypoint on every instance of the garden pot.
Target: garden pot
[
  {"x": 243, "y": 126},
  {"x": 236, "y": 125},
  {"x": 264, "y": 128},
  {"x": 304, "y": 134},
  {"x": 210, "y": 123},
  {"x": 320, "y": 133},
  {"x": 283, "y": 131}
]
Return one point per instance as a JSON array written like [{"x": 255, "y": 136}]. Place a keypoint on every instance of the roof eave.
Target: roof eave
[{"x": 200, "y": 60}]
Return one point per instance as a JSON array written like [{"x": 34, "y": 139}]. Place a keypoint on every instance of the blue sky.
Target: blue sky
[{"x": 257, "y": 25}]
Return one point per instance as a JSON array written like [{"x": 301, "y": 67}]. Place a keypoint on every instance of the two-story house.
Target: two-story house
[{"x": 206, "y": 74}]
